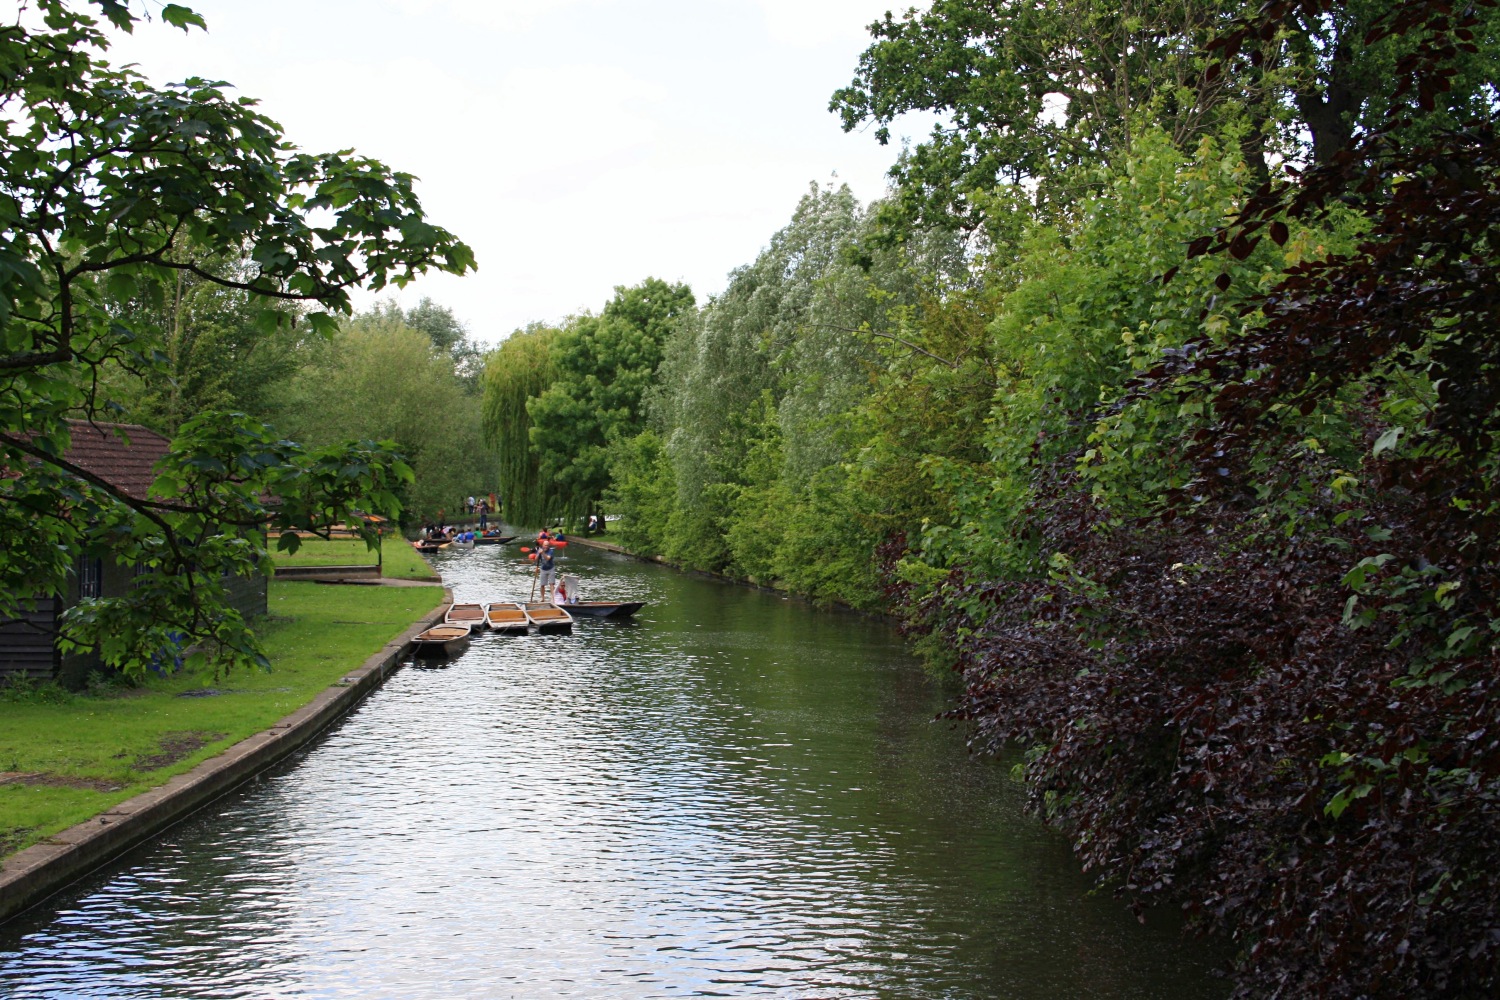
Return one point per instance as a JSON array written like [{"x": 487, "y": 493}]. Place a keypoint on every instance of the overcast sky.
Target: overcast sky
[{"x": 576, "y": 145}]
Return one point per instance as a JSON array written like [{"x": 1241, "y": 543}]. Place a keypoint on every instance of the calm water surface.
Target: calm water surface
[{"x": 733, "y": 796}]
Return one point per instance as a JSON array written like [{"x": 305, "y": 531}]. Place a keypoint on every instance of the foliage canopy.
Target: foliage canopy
[{"x": 109, "y": 189}]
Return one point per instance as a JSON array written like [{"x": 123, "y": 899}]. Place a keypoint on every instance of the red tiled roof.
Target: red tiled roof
[{"x": 120, "y": 454}]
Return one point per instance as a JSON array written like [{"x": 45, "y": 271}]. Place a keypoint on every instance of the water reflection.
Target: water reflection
[{"x": 732, "y": 796}]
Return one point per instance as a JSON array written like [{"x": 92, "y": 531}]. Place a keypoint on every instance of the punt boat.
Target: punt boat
[
  {"x": 507, "y": 618},
  {"x": 471, "y": 615},
  {"x": 441, "y": 640},
  {"x": 493, "y": 539},
  {"x": 603, "y": 609},
  {"x": 548, "y": 617}
]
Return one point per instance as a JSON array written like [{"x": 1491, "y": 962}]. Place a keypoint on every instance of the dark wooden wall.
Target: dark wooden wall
[{"x": 26, "y": 648}]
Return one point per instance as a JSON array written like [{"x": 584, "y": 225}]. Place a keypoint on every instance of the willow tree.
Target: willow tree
[
  {"x": 520, "y": 369},
  {"x": 605, "y": 365}
]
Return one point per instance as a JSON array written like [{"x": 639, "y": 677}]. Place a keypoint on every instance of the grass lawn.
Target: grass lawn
[
  {"x": 81, "y": 754},
  {"x": 401, "y": 561}
]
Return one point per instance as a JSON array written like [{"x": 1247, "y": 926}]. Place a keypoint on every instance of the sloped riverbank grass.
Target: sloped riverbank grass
[
  {"x": 68, "y": 757},
  {"x": 399, "y": 560}
]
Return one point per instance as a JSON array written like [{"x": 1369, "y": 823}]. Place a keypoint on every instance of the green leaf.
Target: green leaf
[{"x": 181, "y": 17}]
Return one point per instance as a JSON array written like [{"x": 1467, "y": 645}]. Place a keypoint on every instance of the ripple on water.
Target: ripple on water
[{"x": 732, "y": 796}]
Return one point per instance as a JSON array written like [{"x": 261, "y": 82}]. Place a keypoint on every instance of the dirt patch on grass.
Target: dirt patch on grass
[
  {"x": 11, "y": 838},
  {"x": 173, "y": 747},
  {"x": 59, "y": 781}
]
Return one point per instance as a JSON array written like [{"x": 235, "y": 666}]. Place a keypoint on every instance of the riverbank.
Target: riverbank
[{"x": 85, "y": 777}]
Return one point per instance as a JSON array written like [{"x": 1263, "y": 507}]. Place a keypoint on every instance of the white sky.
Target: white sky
[{"x": 576, "y": 145}]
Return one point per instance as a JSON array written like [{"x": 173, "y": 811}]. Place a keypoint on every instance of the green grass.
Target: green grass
[
  {"x": 92, "y": 751},
  {"x": 400, "y": 561}
]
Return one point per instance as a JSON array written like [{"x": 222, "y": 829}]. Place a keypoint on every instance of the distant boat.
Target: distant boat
[
  {"x": 442, "y": 640},
  {"x": 507, "y": 618},
  {"x": 493, "y": 539},
  {"x": 603, "y": 609},
  {"x": 471, "y": 615},
  {"x": 549, "y": 618}
]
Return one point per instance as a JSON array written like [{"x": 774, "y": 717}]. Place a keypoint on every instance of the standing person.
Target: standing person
[
  {"x": 546, "y": 568},
  {"x": 484, "y": 516}
]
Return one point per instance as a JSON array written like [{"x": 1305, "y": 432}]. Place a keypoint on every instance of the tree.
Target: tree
[
  {"x": 1253, "y": 654},
  {"x": 108, "y": 188},
  {"x": 520, "y": 369},
  {"x": 604, "y": 366},
  {"x": 380, "y": 378},
  {"x": 448, "y": 334},
  {"x": 213, "y": 356},
  {"x": 1028, "y": 91}
]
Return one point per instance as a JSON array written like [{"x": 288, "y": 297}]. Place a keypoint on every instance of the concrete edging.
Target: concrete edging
[
  {"x": 30, "y": 876},
  {"x": 334, "y": 572}
]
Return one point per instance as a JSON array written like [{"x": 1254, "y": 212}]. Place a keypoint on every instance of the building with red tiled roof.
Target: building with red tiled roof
[{"x": 125, "y": 457}]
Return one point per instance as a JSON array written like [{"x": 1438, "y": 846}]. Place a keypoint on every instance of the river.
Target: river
[{"x": 734, "y": 795}]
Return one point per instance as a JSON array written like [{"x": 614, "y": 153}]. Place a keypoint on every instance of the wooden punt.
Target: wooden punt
[
  {"x": 425, "y": 546},
  {"x": 442, "y": 640},
  {"x": 603, "y": 609},
  {"x": 493, "y": 539},
  {"x": 549, "y": 618},
  {"x": 507, "y": 618},
  {"x": 471, "y": 615}
]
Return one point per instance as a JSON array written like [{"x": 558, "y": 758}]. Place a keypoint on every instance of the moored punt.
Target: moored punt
[
  {"x": 493, "y": 539},
  {"x": 471, "y": 615},
  {"x": 549, "y": 617},
  {"x": 441, "y": 640},
  {"x": 507, "y": 618},
  {"x": 603, "y": 609}
]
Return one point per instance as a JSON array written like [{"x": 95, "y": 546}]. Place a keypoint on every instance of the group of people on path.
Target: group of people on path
[{"x": 481, "y": 507}]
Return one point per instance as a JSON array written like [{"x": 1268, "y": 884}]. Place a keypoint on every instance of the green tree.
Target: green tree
[
  {"x": 447, "y": 332},
  {"x": 786, "y": 325},
  {"x": 642, "y": 486},
  {"x": 108, "y": 187},
  {"x": 1029, "y": 91},
  {"x": 604, "y": 365},
  {"x": 213, "y": 355},
  {"x": 518, "y": 370},
  {"x": 381, "y": 378}
]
